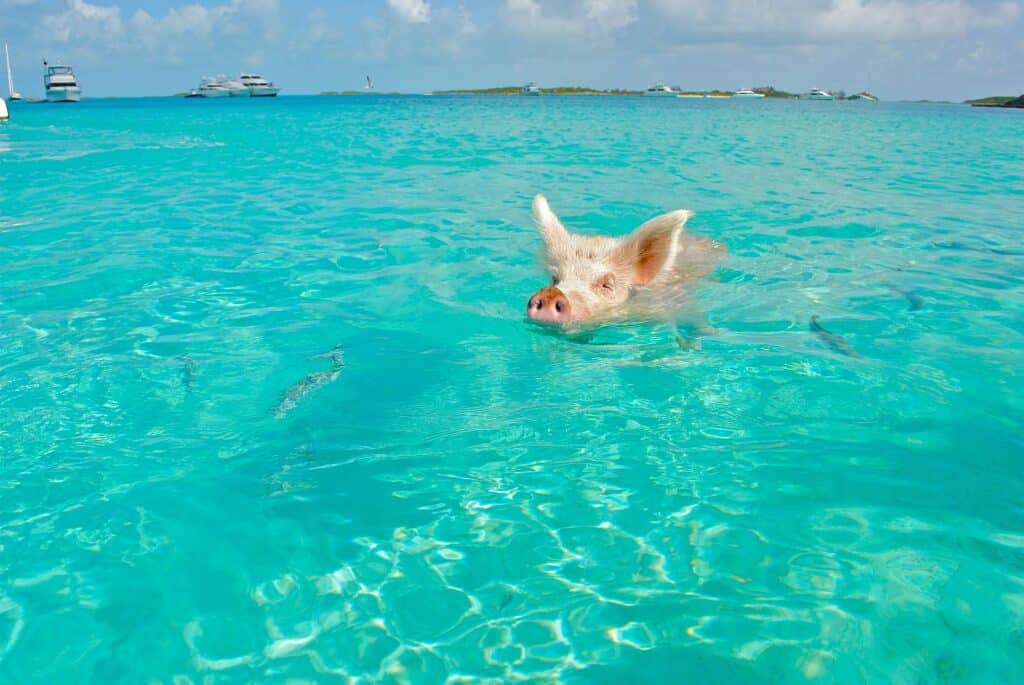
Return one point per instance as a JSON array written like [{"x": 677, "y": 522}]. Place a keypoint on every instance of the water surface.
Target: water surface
[{"x": 269, "y": 408}]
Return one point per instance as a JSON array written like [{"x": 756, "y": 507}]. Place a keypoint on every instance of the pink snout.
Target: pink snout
[{"x": 549, "y": 305}]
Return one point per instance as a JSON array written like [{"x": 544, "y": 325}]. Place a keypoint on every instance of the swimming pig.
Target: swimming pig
[{"x": 597, "y": 278}]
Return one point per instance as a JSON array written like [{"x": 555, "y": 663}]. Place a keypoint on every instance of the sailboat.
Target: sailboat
[
  {"x": 369, "y": 83},
  {"x": 11, "y": 93}
]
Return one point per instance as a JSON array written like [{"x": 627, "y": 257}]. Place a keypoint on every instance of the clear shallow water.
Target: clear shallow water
[{"x": 468, "y": 497}]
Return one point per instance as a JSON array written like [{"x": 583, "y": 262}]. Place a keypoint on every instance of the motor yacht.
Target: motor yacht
[
  {"x": 258, "y": 86},
  {"x": 60, "y": 84},
  {"x": 818, "y": 94},
  {"x": 212, "y": 88},
  {"x": 660, "y": 90}
]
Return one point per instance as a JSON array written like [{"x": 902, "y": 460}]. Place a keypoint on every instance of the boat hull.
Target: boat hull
[
  {"x": 262, "y": 91},
  {"x": 64, "y": 94},
  {"x": 213, "y": 93}
]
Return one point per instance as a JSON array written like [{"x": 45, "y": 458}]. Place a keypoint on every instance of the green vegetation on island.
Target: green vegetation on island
[
  {"x": 709, "y": 93},
  {"x": 772, "y": 92},
  {"x": 559, "y": 90},
  {"x": 998, "y": 101},
  {"x": 355, "y": 92},
  {"x": 767, "y": 91}
]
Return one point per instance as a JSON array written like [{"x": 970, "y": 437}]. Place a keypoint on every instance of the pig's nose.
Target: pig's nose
[{"x": 549, "y": 305}]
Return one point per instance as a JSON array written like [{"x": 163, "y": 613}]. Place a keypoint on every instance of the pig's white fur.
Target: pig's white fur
[{"x": 598, "y": 273}]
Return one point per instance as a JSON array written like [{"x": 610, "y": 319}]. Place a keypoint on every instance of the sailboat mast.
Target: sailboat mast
[{"x": 10, "y": 80}]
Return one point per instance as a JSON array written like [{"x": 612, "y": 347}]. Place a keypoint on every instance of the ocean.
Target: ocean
[{"x": 271, "y": 410}]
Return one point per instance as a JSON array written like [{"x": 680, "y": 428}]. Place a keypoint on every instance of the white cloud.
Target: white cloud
[
  {"x": 892, "y": 19},
  {"x": 411, "y": 11},
  {"x": 448, "y": 33},
  {"x": 82, "y": 21},
  {"x": 578, "y": 17},
  {"x": 830, "y": 20},
  {"x": 168, "y": 38},
  {"x": 611, "y": 14},
  {"x": 1003, "y": 14},
  {"x": 319, "y": 28}
]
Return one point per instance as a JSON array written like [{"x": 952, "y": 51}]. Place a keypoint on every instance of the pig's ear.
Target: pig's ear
[
  {"x": 650, "y": 248},
  {"x": 551, "y": 229}
]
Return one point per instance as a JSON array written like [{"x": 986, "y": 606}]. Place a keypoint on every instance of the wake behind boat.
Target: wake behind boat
[{"x": 60, "y": 83}]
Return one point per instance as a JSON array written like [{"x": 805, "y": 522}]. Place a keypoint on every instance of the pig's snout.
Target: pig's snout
[{"x": 549, "y": 305}]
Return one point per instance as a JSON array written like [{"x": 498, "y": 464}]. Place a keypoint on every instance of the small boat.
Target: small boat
[
  {"x": 369, "y": 83},
  {"x": 530, "y": 88},
  {"x": 258, "y": 86},
  {"x": 60, "y": 84},
  {"x": 819, "y": 94},
  {"x": 747, "y": 93},
  {"x": 3, "y": 110},
  {"x": 660, "y": 90},
  {"x": 863, "y": 96},
  {"x": 212, "y": 88},
  {"x": 11, "y": 93}
]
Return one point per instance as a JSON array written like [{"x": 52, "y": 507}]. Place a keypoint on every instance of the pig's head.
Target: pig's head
[{"x": 593, "y": 275}]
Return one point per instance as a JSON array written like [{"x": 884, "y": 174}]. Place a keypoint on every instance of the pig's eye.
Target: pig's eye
[
  {"x": 606, "y": 283},
  {"x": 555, "y": 280}
]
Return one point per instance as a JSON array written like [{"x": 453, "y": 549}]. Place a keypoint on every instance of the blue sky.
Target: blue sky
[{"x": 940, "y": 49}]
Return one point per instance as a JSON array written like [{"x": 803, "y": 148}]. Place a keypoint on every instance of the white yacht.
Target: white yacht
[
  {"x": 819, "y": 94},
  {"x": 258, "y": 86},
  {"x": 660, "y": 90},
  {"x": 747, "y": 93},
  {"x": 60, "y": 84},
  {"x": 11, "y": 93},
  {"x": 212, "y": 88},
  {"x": 235, "y": 87},
  {"x": 530, "y": 88}
]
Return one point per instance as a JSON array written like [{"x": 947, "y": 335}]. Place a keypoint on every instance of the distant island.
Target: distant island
[
  {"x": 560, "y": 90},
  {"x": 998, "y": 101},
  {"x": 356, "y": 92},
  {"x": 767, "y": 91}
]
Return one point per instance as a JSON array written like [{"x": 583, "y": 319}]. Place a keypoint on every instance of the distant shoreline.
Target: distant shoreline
[
  {"x": 1000, "y": 101},
  {"x": 995, "y": 101},
  {"x": 767, "y": 91}
]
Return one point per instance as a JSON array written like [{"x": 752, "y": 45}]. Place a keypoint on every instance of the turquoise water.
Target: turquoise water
[{"x": 270, "y": 409}]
